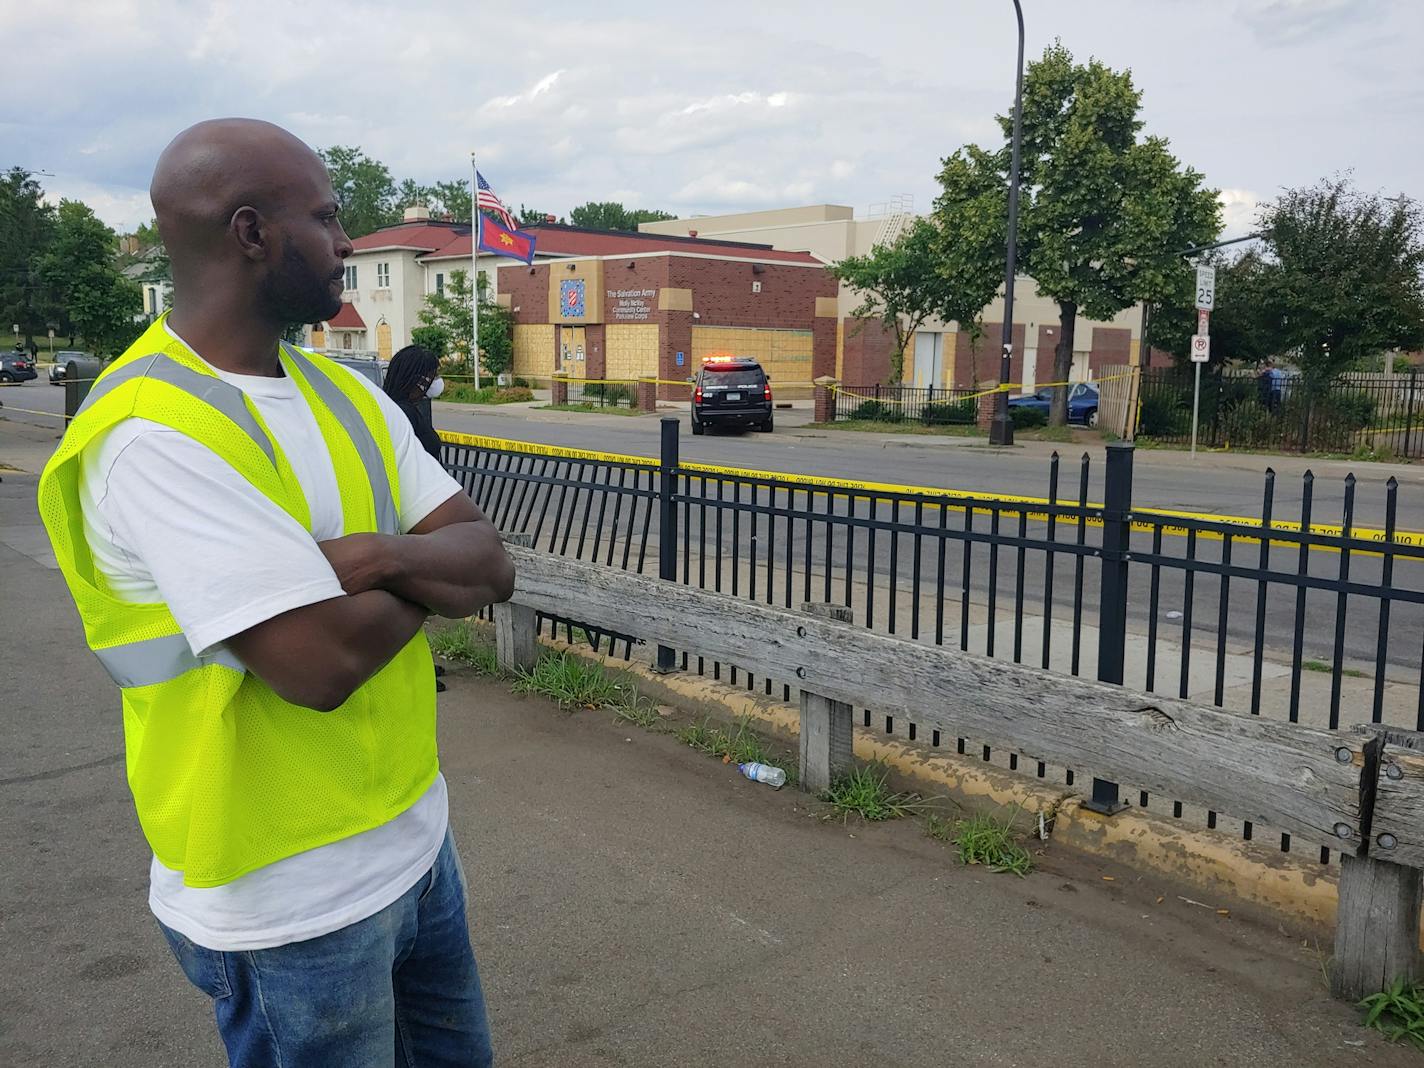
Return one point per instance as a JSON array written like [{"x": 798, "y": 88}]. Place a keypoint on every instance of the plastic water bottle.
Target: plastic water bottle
[{"x": 773, "y": 777}]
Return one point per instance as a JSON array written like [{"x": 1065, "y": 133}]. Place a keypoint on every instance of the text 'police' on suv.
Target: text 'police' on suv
[{"x": 731, "y": 391}]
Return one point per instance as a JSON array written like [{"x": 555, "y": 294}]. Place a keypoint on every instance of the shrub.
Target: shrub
[
  {"x": 878, "y": 411},
  {"x": 513, "y": 394},
  {"x": 1027, "y": 418},
  {"x": 949, "y": 413},
  {"x": 1165, "y": 414}
]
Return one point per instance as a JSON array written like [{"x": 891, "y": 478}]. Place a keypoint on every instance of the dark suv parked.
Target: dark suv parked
[
  {"x": 731, "y": 391},
  {"x": 17, "y": 365}
]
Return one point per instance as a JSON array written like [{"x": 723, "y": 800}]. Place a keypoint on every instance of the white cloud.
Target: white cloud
[
  {"x": 538, "y": 89},
  {"x": 1238, "y": 212},
  {"x": 685, "y": 105}
]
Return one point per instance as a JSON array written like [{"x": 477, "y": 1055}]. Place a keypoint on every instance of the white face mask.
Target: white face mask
[{"x": 435, "y": 388}]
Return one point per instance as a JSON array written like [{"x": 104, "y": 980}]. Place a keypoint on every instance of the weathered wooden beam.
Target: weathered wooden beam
[
  {"x": 1301, "y": 780},
  {"x": 827, "y": 728},
  {"x": 1396, "y": 827}
]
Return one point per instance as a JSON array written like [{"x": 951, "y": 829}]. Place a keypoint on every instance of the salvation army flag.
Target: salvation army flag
[{"x": 504, "y": 242}]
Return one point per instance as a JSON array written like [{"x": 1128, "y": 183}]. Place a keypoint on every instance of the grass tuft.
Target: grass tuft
[
  {"x": 463, "y": 645},
  {"x": 737, "y": 746},
  {"x": 938, "y": 828},
  {"x": 982, "y": 839},
  {"x": 863, "y": 792},
  {"x": 1397, "y": 1013},
  {"x": 576, "y": 683}
]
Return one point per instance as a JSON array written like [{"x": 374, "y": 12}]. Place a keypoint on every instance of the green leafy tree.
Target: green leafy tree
[
  {"x": 1103, "y": 211},
  {"x": 433, "y": 338},
  {"x": 410, "y": 193},
  {"x": 611, "y": 215},
  {"x": 496, "y": 338},
  {"x": 364, "y": 188},
  {"x": 448, "y": 326},
  {"x": 26, "y": 227},
  {"x": 1348, "y": 277},
  {"x": 533, "y": 216},
  {"x": 79, "y": 268},
  {"x": 1246, "y": 324},
  {"x": 453, "y": 199},
  {"x": 902, "y": 286}
]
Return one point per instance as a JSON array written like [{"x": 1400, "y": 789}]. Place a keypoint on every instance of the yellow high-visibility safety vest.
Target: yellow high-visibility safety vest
[{"x": 228, "y": 777}]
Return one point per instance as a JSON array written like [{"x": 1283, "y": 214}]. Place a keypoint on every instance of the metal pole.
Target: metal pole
[
  {"x": 1196, "y": 402},
  {"x": 475, "y": 269},
  {"x": 1112, "y": 593},
  {"x": 1001, "y": 429},
  {"x": 667, "y": 523}
]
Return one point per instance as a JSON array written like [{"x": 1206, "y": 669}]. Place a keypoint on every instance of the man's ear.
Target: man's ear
[{"x": 251, "y": 232}]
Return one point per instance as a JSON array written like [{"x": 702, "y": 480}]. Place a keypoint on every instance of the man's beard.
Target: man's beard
[{"x": 295, "y": 294}]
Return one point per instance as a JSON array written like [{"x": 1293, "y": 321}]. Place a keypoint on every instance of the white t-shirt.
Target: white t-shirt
[{"x": 167, "y": 520}]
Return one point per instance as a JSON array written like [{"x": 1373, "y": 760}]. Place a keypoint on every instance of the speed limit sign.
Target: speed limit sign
[{"x": 1201, "y": 348}]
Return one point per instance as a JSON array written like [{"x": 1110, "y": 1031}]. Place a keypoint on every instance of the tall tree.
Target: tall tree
[
  {"x": 26, "y": 227},
  {"x": 363, "y": 187},
  {"x": 1103, "y": 212},
  {"x": 533, "y": 216},
  {"x": 1349, "y": 275},
  {"x": 611, "y": 215},
  {"x": 902, "y": 287},
  {"x": 1246, "y": 324},
  {"x": 80, "y": 269},
  {"x": 453, "y": 199}
]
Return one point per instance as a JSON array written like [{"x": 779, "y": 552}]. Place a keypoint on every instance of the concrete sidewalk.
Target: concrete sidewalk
[{"x": 635, "y": 903}]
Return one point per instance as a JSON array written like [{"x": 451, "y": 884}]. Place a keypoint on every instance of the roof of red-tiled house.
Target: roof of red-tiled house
[
  {"x": 348, "y": 318},
  {"x": 424, "y": 236},
  {"x": 555, "y": 240}
]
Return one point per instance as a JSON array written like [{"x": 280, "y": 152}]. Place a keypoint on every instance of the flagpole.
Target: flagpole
[{"x": 475, "y": 269}]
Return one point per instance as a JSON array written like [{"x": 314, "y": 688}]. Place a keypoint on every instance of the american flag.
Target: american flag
[{"x": 487, "y": 201}]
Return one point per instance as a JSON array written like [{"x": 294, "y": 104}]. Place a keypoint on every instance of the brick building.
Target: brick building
[
  {"x": 624, "y": 306},
  {"x": 942, "y": 354}
]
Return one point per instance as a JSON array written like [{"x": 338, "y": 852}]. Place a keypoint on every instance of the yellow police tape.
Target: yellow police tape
[
  {"x": 1003, "y": 387},
  {"x": 956, "y": 499}
]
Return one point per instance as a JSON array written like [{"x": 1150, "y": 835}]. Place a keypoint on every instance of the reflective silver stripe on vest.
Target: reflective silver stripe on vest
[
  {"x": 207, "y": 388},
  {"x": 387, "y": 522},
  {"x": 158, "y": 660}
]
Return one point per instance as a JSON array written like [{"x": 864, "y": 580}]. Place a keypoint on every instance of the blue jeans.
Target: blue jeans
[{"x": 399, "y": 987}]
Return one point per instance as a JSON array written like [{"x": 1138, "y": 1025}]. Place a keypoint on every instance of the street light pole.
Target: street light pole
[{"x": 1001, "y": 429}]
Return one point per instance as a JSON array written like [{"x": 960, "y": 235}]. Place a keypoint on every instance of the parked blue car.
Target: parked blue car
[{"x": 1082, "y": 403}]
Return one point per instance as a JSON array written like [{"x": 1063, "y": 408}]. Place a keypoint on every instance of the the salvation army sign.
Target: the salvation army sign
[{"x": 629, "y": 305}]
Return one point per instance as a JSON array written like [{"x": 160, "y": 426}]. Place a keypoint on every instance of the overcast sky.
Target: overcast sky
[{"x": 714, "y": 107}]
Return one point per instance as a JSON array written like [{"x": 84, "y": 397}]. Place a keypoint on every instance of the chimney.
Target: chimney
[{"x": 417, "y": 213}]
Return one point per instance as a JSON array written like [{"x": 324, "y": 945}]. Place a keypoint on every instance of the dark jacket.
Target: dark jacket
[{"x": 418, "y": 412}]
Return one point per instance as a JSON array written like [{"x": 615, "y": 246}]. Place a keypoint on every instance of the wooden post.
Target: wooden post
[
  {"x": 1376, "y": 927},
  {"x": 515, "y": 636},
  {"x": 1377, "y": 918},
  {"x": 826, "y": 725}
]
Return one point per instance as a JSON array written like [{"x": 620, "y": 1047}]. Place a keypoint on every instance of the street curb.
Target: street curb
[{"x": 1291, "y": 890}]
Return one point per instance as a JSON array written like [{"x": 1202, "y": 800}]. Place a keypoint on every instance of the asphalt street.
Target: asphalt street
[{"x": 1216, "y": 483}]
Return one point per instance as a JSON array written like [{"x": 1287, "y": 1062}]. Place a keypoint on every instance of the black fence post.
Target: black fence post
[
  {"x": 1409, "y": 413},
  {"x": 667, "y": 523},
  {"x": 1112, "y": 591}
]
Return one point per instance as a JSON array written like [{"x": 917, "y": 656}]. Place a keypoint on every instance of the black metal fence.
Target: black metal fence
[
  {"x": 929, "y": 405},
  {"x": 1272, "y": 410},
  {"x": 1276, "y": 615}
]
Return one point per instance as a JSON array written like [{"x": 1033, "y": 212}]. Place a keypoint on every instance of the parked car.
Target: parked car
[
  {"x": 17, "y": 365},
  {"x": 731, "y": 391},
  {"x": 1082, "y": 403},
  {"x": 61, "y": 362}
]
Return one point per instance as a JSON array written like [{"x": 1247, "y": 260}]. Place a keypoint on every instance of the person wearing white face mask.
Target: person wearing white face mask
[{"x": 413, "y": 381}]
